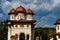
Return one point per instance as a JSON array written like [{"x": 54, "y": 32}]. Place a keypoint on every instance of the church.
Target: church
[
  {"x": 21, "y": 24},
  {"x": 57, "y": 24}
]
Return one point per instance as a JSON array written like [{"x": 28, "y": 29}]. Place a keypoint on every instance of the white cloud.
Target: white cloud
[
  {"x": 45, "y": 6},
  {"x": 34, "y": 5},
  {"x": 1, "y": 15},
  {"x": 56, "y": 2},
  {"x": 7, "y": 3},
  {"x": 44, "y": 20}
]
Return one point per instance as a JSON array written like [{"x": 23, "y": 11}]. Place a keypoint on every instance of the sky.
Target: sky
[{"x": 46, "y": 11}]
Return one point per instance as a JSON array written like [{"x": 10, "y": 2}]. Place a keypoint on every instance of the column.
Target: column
[
  {"x": 29, "y": 37},
  {"x": 25, "y": 37},
  {"x": 57, "y": 37},
  {"x": 9, "y": 34},
  {"x": 18, "y": 37}
]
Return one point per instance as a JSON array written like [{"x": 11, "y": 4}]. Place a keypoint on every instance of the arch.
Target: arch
[
  {"x": 22, "y": 36},
  {"x": 16, "y": 37},
  {"x": 27, "y": 36}
]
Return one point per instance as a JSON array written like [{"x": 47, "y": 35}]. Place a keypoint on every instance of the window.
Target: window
[
  {"x": 16, "y": 25},
  {"x": 21, "y": 16},
  {"x": 22, "y": 25},
  {"x": 58, "y": 27},
  {"x": 27, "y": 25},
  {"x": 12, "y": 17},
  {"x": 29, "y": 17}
]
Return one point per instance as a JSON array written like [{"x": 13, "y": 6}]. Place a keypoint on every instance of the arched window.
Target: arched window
[
  {"x": 22, "y": 16},
  {"x": 29, "y": 17},
  {"x": 27, "y": 37},
  {"x": 58, "y": 27},
  {"x": 16, "y": 25},
  {"x": 22, "y": 36},
  {"x": 12, "y": 17},
  {"x": 22, "y": 25},
  {"x": 18, "y": 17},
  {"x": 27, "y": 25}
]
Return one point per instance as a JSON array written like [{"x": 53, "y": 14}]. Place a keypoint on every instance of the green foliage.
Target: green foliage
[
  {"x": 45, "y": 33},
  {"x": 3, "y": 30}
]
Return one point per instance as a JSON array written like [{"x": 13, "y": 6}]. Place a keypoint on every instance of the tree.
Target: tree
[{"x": 3, "y": 30}]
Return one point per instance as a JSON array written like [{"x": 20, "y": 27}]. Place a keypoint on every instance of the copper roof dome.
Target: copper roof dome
[
  {"x": 29, "y": 11},
  {"x": 20, "y": 9},
  {"x": 58, "y": 21},
  {"x": 12, "y": 11}
]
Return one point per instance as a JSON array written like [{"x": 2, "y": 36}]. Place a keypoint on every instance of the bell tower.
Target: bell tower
[
  {"x": 57, "y": 24},
  {"x": 21, "y": 24}
]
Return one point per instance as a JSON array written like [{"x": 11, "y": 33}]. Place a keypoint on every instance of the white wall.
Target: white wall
[
  {"x": 17, "y": 30},
  {"x": 57, "y": 30}
]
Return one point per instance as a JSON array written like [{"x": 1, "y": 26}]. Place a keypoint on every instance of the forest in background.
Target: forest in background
[{"x": 45, "y": 33}]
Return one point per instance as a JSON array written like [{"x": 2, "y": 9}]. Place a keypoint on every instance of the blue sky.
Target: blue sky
[{"x": 46, "y": 11}]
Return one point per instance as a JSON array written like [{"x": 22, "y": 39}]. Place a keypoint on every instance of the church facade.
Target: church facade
[
  {"x": 21, "y": 24},
  {"x": 57, "y": 24}
]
